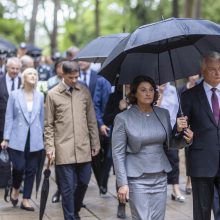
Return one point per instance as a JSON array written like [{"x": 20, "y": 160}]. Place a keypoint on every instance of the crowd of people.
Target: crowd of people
[{"x": 83, "y": 122}]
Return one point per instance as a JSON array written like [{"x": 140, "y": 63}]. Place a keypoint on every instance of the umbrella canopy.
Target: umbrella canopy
[
  {"x": 97, "y": 50},
  {"x": 165, "y": 50},
  {"x": 6, "y": 45},
  {"x": 44, "y": 191},
  {"x": 39, "y": 170}
]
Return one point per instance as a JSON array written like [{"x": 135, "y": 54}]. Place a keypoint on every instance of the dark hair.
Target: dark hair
[
  {"x": 136, "y": 82},
  {"x": 69, "y": 67},
  {"x": 58, "y": 63}
]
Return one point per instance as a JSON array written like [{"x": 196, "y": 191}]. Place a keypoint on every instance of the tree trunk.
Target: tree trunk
[
  {"x": 33, "y": 22},
  {"x": 97, "y": 20},
  {"x": 53, "y": 39},
  {"x": 175, "y": 9},
  {"x": 196, "y": 8},
  {"x": 188, "y": 8}
]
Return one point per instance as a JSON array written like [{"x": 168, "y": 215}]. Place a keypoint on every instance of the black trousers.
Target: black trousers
[
  {"x": 106, "y": 160},
  {"x": 73, "y": 182},
  {"x": 24, "y": 163},
  {"x": 203, "y": 193}
]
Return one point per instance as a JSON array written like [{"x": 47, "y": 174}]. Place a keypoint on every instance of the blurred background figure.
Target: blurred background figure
[
  {"x": 22, "y": 49},
  {"x": 71, "y": 52},
  {"x": 23, "y": 135},
  {"x": 116, "y": 104},
  {"x": 168, "y": 99},
  {"x": 3, "y": 59},
  {"x": 54, "y": 80},
  {"x": 44, "y": 70},
  {"x": 88, "y": 76},
  {"x": 26, "y": 62}
]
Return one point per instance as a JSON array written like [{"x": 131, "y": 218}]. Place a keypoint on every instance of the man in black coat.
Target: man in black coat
[
  {"x": 8, "y": 82},
  {"x": 201, "y": 105}
]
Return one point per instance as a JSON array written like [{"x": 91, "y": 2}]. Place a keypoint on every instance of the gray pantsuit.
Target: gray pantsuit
[{"x": 140, "y": 162}]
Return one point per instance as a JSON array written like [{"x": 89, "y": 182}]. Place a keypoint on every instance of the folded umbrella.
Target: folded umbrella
[
  {"x": 44, "y": 190},
  {"x": 39, "y": 170}
]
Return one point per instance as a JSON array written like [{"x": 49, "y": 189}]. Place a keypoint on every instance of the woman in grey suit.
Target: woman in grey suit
[
  {"x": 138, "y": 140},
  {"x": 23, "y": 135}
]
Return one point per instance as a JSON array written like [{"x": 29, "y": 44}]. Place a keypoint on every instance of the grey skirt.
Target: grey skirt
[{"x": 147, "y": 196}]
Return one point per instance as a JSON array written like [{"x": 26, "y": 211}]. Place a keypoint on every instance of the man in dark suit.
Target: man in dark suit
[
  {"x": 88, "y": 76},
  {"x": 201, "y": 105},
  {"x": 8, "y": 82}
]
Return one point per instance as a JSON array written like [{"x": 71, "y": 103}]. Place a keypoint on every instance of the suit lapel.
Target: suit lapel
[
  {"x": 92, "y": 82},
  {"x": 23, "y": 105},
  {"x": 205, "y": 103},
  {"x": 4, "y": 89},
  {"x": 19, "y": 82},
  {"x": 163, "y": 121}
]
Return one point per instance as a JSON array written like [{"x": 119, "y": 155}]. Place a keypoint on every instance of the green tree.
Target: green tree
[{"x": 9, "y": 32}]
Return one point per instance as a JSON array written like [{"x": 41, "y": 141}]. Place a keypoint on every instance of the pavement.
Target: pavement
[{"x": 98, "y": 207}]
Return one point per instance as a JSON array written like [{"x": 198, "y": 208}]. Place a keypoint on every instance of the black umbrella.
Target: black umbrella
[
  {"x": 39, "y": 170},
  {"x": 44, "y": 190},
  {"x": 6, "y": 45},
  {"x": 165, "y": 50},
  {"x": 98, "y": 49}
]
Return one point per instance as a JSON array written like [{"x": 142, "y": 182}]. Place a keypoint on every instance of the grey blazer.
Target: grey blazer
[{"x": 128, "y": 145}]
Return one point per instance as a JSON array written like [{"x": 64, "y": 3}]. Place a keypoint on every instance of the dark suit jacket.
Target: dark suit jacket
[
  {"x": 203, "y": 158},
  {"x": 92, "y": 82},
  {"x": 3, "y": 100}
]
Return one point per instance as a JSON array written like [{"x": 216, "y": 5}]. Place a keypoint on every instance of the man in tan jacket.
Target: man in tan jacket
[{"x": 71, "y": 137}]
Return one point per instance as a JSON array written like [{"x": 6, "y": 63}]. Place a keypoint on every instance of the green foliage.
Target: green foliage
[
  {"x": 211, "y": 10},
  {"x": 12, "y": 30}
]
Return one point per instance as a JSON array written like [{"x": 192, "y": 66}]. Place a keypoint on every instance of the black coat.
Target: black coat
[
  {"x": 3, "y": 100},
  {"x": 203, "y": 157}
]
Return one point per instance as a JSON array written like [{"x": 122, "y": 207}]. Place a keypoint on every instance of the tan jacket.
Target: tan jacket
[{"x": 70, "y": 124}]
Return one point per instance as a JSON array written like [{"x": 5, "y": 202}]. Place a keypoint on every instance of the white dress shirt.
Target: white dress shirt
[
  {"x": 9, "y": 82},
  {"x": 208, "y": 92},
  {"x": 170, "y": 102},
  {"x": 88, "y": 75}
]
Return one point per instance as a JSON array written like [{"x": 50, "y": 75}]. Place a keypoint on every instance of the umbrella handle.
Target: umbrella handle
[{"x": 49, "y": 163}]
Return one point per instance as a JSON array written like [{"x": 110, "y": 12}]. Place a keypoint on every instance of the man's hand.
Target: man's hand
[
  {"x": 123, "y": 194},
  {"x": 104, "y": 130},
  {"x": 123, "y": 104},
  {"x": 4, "y": 144},
  {"x": 188, "y": 135},
  {"x": 94, "y": 151},
  {"x": 51, "y": 154},
  {"x": 182, "y": 123}
]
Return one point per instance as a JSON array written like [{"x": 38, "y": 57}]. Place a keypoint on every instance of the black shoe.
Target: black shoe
[
  {"x": 102, "y": 190},
  {"x": 121, "y": 211},
  {"x": 14, "y": 201},
  {"x": 31, "y": 209},
  {"x": 56, "y": 197},
  {"x": 76, "y": 216}
]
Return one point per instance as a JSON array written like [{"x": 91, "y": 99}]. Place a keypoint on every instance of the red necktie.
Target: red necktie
[{"x": 215, "y": 105}]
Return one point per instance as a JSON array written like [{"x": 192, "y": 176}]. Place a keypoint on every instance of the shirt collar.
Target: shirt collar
[
  {"x": 65, "y": 87},
  {"x": 208, "y": 87},
  {"x": 8, "y": 78}
]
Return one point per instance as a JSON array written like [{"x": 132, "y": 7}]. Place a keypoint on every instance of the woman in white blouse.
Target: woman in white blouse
[{"x": 23, "y": 135}]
